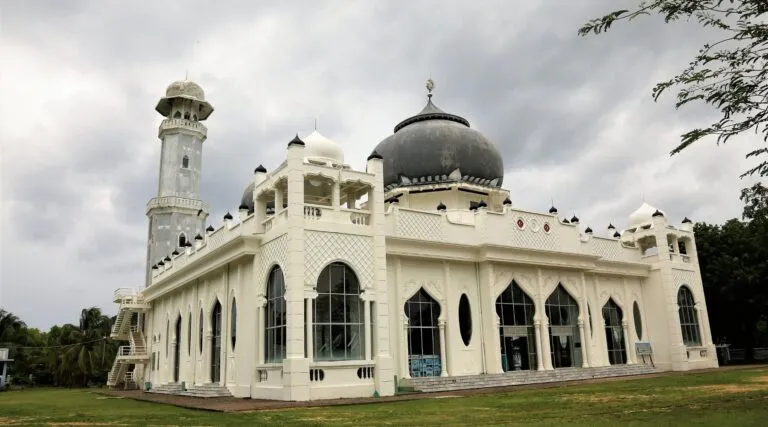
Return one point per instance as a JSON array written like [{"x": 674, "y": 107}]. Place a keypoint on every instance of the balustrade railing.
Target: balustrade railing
[
  {"x": 340, "y": 216},
  {"x": 126, "y": 350}
]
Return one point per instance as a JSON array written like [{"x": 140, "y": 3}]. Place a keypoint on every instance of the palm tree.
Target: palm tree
[{"x": 11, "y": 327}]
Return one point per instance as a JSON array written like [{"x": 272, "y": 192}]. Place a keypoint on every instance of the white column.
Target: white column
[
  {"x": 404, "y": 345},
  {"x": 537, "y": 332},
  {"x": 627, "y": 342},
  {"x": 545, "y": 347},
  {"x": 443, "y": 359},
  {"x": 310, "y": 331},
  {"x": 260, "y": 344},
  {"x": 336, "y": 195},
  {"x": 584, "y": 362},
  {"x": 367, "y": 325}
]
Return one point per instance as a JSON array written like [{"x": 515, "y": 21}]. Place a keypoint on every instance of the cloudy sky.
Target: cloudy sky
[{"x": 79, "y": 80}]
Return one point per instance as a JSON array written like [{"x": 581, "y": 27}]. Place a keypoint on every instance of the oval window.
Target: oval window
[
  {"x": 465, "y": 319},
  {"x": 638, "y": 320}
]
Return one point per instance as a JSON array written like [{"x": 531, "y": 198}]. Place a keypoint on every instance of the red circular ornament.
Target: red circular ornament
[
  {"x": 520, "y": 223},
  {"x": 546, "y": 228}
]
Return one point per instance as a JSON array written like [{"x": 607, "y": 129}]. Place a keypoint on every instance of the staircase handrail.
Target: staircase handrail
[{"x": 127, "y": 350}]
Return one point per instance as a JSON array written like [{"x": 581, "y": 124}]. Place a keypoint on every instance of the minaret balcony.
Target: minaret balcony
[
  {"x": 183, "y": 124},
  {"x": 177, "y": 202}
]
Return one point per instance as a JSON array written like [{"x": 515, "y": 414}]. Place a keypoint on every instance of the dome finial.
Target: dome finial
[{"x": 430, "y": 87}]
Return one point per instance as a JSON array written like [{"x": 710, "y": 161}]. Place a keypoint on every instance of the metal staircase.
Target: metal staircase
[{"x": 135, "y": 353}]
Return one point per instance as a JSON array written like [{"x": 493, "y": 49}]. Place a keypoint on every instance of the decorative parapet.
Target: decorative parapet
[
  {"x": 213, "y": 240},
  {"x": 512, "y": 228},
  {"x": 176, "y": 202},
  {"x": 181, "y": 123}
]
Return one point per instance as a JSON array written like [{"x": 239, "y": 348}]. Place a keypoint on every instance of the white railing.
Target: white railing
[
  {"x": 174, "y": 201},
  {"x": 127, "y": 350},
  {"x": 130, "y": 377},
  {"x": 336, "y": 216}
]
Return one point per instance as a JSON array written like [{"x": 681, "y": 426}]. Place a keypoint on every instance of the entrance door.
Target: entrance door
[
  {"x": 562, "y": 350},
  {"x": 516, "y": 356},
  {"x": 176, "y": 352},
  {"x": 216, "y": 344}
]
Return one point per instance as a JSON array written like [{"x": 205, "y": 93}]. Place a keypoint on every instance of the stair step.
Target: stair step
[{"x": 431, "y": 384}]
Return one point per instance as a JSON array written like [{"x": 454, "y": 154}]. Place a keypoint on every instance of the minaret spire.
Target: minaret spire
[{"x": 430, "y": 87}]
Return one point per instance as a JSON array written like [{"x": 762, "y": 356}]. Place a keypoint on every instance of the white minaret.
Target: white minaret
[{"x": 177, "y": 214}]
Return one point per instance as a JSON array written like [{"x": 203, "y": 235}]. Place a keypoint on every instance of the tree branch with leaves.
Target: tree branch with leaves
[{"x": 729, "y": 74}]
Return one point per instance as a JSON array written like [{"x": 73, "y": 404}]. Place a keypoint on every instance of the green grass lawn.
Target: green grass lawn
[{"x": 719, "y": 398}]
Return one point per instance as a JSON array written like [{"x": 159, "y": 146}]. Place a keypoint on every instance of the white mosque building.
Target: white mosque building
[{"x": 417, "y": 271}]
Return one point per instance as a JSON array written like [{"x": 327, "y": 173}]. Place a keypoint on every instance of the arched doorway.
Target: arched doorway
[
  {"x": 614, "y": 333},
  {"x": 516, "y": 332},
  {"x": 423, "y": 335},
  {"x": 177, "y": 350},
  {"x": 564, "y": 338},
  {"x": 216, "y": 343}
]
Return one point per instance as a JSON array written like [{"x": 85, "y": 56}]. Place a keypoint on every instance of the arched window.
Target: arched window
[
  {"x": 338, "y": 315},
  {"x": 564, "y": 339},
  {"x": 216, "y": 343},
  {"x": 182, "y": 240},
  {"x": 614, "y": 333},
  {"x": 423, "y": 335},
  {"x": 167, "y": 332},
  {"x": 274, "y": 333},
  {"x": 689, "y": 318},
  {"x": 177, "y": 349},
  {"x": 516, "y": 331},
  {"x": 200, "y": 326},
  {"x": 194, "y": 117},
  {"x": 186, "y": 115},
  {"x": 177, "y": 115},
  {"x": 233, "y": 323},
  {"x": 189, "y": 334},
  {"x": 185, "y": 162}
]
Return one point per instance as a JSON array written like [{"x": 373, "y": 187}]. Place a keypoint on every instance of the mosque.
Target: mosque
[{"x": 417, "y": 272}]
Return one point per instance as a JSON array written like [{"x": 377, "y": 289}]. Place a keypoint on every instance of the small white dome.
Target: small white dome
[
  {"x": 320, "y": 148},
  {"x": 643, "y": 215}
]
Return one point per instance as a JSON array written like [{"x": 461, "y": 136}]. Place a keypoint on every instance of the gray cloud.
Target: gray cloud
[{"x": 572, "y": 116}]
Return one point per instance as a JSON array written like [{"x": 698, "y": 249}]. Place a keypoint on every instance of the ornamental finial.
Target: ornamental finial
[{"x": 430, "y": 87}]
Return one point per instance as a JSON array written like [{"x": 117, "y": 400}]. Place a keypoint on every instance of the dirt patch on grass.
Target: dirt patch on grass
[
  {"x": 761, "y": 379},
  {"x": 603, "y": 398},
  {"x": 15, "y": 421},
  {"x": 729, "y": 388}
]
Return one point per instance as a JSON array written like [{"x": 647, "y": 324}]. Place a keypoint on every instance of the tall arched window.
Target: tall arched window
[
  {"x": 689, "y": 318},
  {"x": 177, "y": 349},
  {"x": 182, "y": 240},
  {"x": 185, "y": 162},
  {"x": 423, "y": 335},
  {"x": 200, "y": 327},
  {"x": 564, "y": 339},
  {"x": 516, "y": 331},
  {"x": 189, "y": 333},
  {"x": 614, "y": 333},
  {"x": 274, "y": 333},
  {"x": 233, "y": 323},
  {"x": 216, "y": 343},
  {"x": 338, "y": 315},
  {"x": 167, "y": 333}
]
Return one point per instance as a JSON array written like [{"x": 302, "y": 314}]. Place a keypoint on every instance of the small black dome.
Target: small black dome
[
  {"x": 296, "y": 141},
  {"x": 482, "y": 204},
  {"x": 473, "y": 206},
  {"x": 611, "y": 227},
  {"x": 565, "y": 221},
  {"x": 588, "y": 230},
  {"x": 154, "y": 267},
  {"x": 686, "y": 220},
  {"x": 436, "y": 146},
  {"x": 210, "y": 228},
  {"x": 617, "y": 234},
  {"x": 260, "y": 169},
  {"x": 507, "y": 201},
  {"x": 441, "y": 207},
  {"x": 175, "y": 252},
  {"x": 574, "y": 219},
  {"x": 285, "y": 205},
  {"x": 242, "y": 207},
  {"x": 375, "y": 155},
  {"x": 167, "y": 258},
  {"x": 227, "y": 216},
  {"x": 160, "y": 263},
  {"x": 553, "y": 210},
  {"x": 198, "y": 237},
  {"x": 657, "y": 213},
  {"x": 188, "y": 244}
]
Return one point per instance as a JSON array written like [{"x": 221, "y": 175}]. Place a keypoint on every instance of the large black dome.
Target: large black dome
[{"x": 435, "y": 146}]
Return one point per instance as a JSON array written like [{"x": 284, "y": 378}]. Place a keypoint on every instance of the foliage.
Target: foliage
[
  {"x": 67, "y": 355},
  {"x": 733, "y": 258},
  {"x": 729, "y": 74}
]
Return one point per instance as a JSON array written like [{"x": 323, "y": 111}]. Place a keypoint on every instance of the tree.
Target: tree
[
  {"x": 734, "y": 267},
  {"x": 729, "y": 74}
]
